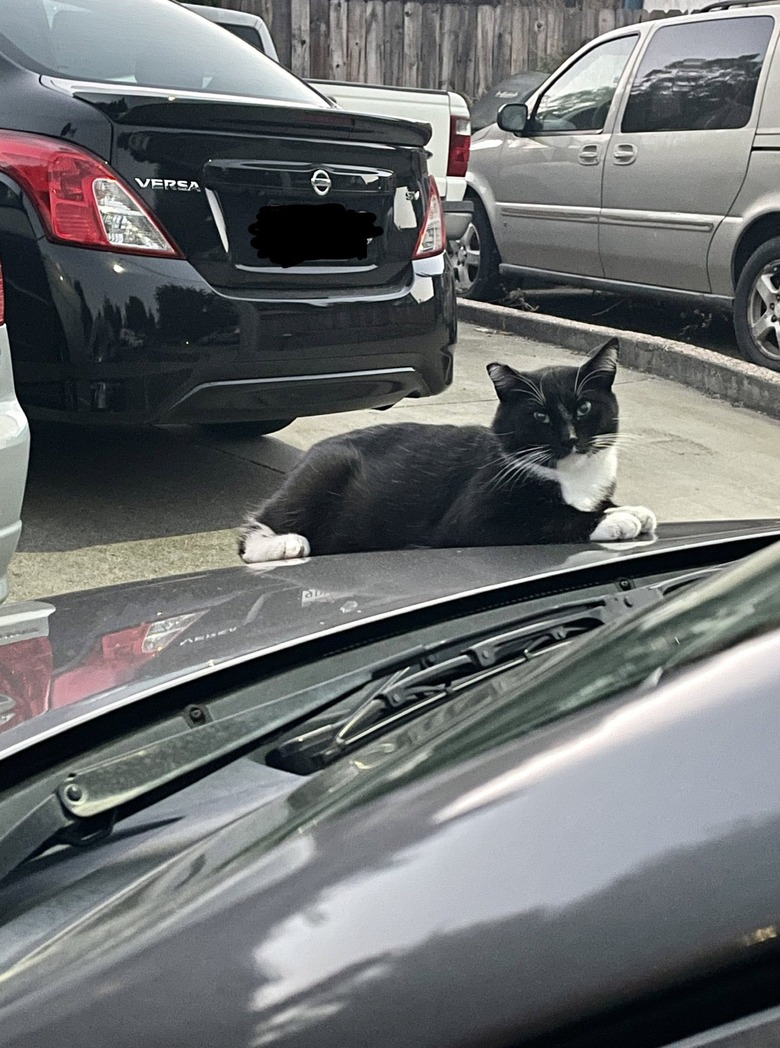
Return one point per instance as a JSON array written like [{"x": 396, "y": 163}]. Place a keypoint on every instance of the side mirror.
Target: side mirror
[{"x": 513, "y": 117}]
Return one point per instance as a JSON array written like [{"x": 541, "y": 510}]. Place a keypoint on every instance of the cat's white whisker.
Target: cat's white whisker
[
  {"x": 591, "y": 376},
  {"x": 522, "y": 463},
  {"x": 533, "y": 390}
]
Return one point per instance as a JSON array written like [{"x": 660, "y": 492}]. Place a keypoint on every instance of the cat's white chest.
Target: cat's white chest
[{"x": 585, "y": 480}]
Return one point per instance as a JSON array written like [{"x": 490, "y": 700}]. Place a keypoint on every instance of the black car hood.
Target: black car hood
[{"x": 69, "y": 658}]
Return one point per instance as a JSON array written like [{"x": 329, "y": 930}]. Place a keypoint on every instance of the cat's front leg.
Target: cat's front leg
[
  {"x": 622, "y": 523},
  {"x": 258, "y": 543}
]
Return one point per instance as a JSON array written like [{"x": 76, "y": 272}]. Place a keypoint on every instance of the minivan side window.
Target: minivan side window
[
  {"x": 698, "y": 76},
  {"x": 579, "y": 100}
]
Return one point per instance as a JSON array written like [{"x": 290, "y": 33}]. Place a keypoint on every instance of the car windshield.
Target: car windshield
[{"x": 157, "y": 45}]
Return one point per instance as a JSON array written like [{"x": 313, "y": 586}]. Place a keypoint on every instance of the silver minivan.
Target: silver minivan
[
  {"x": 14, "y": 453},
  {"x": 648, "y": 163}
]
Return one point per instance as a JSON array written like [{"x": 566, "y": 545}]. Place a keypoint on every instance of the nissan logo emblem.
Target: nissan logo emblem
[{"x": 321, "y": 183}]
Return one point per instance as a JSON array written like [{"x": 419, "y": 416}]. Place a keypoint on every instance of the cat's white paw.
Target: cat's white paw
[
  {"x": 623, "y": 523},
  {"x": 258, "y": 543},
  {"x": 645, "y": 516}
]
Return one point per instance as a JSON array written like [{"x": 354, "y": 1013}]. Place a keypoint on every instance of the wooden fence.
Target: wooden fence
[{"x": 460, "y": 45}]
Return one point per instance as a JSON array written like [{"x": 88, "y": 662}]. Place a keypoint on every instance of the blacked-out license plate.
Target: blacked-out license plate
[{"x": 289, "y": 234}]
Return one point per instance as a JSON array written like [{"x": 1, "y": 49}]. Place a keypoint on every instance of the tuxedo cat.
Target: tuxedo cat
[{"x": 545, "y": 471}]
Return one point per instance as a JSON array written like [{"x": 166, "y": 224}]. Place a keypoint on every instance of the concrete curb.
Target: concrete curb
[{"x": 737, "y": 381}]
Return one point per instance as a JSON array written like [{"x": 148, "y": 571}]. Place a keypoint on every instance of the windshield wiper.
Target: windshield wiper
[
  {"x": 410, "y": 691},
  {"x": 84, "y": 803}
]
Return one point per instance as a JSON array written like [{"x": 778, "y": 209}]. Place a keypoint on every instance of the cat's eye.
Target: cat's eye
[
  {"x": 583, "y": 408},
  {"x": 541, "y": 416}
]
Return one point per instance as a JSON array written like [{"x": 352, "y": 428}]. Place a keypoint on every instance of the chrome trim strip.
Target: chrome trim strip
[
  {"x": 660, "y": 220},
  {"x": 613, "y": 216},
  {"x": 219, "y": 218},
  {"x": 551, "y": 212},
  {"x": 309, "y": 270},
  {"x": 332, "y": 376}
]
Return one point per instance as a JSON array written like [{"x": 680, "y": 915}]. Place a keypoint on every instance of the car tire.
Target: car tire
[
  {"x": 246, "y": 430},
  {"x": 757, "y": 307},
  {"x": 475, "y": 260}
]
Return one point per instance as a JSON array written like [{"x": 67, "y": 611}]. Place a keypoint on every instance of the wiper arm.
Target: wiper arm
[
  {"x": 82, "y": 806},
  {"x": 410, "y": 690}
]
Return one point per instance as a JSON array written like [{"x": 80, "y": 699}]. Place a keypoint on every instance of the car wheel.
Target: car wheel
[
  {"x": 242, "y": 430},
  {"x": 757, "y": 307},
  {"x": 475, "y": 260}
]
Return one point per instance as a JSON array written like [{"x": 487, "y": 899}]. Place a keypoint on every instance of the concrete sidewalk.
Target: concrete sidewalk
[{"x": 105, "y": 508}]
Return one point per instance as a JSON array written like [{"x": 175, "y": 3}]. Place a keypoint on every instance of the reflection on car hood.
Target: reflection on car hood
[{"x": 68, "y": 658}]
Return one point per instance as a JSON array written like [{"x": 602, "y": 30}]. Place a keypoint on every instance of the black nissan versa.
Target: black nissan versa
[{"x": 138, "y": 145}]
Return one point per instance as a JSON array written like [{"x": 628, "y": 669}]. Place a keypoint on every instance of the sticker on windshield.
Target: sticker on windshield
[{"x": 289, "y": 234}]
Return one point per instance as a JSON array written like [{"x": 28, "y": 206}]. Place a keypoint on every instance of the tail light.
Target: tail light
[
  {"x": 2, "y": 297},
  {"x": 432, "y": 237},
  {"x": 79, "y": 198},
  {"x": 460, "y": 146}
]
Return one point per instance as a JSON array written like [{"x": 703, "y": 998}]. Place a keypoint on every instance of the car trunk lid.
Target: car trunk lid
[{"x": 270, "y": 196}]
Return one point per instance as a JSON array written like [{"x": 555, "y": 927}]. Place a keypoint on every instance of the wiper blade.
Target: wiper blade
[
  {"x": 81, "y": 806},
  {"x": 409, "y": 690}
]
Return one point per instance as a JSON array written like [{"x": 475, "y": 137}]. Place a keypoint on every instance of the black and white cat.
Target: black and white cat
[{"x": 544, "y": 472}]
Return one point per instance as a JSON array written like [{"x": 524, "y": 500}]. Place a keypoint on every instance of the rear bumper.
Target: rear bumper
[{"x": 142, "y": 340}]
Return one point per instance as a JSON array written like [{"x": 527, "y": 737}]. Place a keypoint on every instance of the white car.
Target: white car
[{"x": 14, "y": 454}]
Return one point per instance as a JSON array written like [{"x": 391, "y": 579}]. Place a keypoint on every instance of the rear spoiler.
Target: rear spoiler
[{"x": 233, "y": 113}]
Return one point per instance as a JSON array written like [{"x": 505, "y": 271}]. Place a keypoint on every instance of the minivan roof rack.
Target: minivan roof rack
[{"x": 723, "y": 5}]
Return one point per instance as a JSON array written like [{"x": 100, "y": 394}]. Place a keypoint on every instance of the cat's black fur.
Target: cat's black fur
[{"x": 410, "y": 485}]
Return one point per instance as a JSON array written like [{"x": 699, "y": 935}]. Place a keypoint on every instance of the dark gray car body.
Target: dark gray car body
[{"x": 604, "y": 860}]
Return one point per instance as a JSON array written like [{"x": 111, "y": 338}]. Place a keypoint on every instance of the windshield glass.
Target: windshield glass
[{"x": 156, "y": 44}]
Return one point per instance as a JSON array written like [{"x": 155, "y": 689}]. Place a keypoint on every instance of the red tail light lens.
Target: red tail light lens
[
  {"x": 432, "y": 239},
  {"x": 79, "y": 198},
  {"x": 460, "y": 146},
  {"x": 2, "y": 297},
  {"x": 25, "y": 680}
]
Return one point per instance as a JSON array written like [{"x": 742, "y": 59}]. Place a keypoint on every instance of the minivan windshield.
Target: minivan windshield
[{"x": 107, "y": 41}]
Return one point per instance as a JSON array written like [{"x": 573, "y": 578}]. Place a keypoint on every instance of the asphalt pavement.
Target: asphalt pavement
[{"x": 104, "y": 506}]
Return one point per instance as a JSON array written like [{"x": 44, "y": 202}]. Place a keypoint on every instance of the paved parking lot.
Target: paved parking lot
[{"x": 105, "y": 507}]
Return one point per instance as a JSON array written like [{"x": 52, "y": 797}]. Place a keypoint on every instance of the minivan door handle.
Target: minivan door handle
[
  {"x": 589, "y": 154},
  {"x": 625, "y": 153}
]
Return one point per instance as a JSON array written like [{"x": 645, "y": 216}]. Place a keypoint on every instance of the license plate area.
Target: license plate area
[{"x": 289, "y": 235}]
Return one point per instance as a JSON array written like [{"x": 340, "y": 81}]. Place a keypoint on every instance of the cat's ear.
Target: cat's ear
[
  {"x": 600, "y": 369},
  {"x": 505, "y": 379}
]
